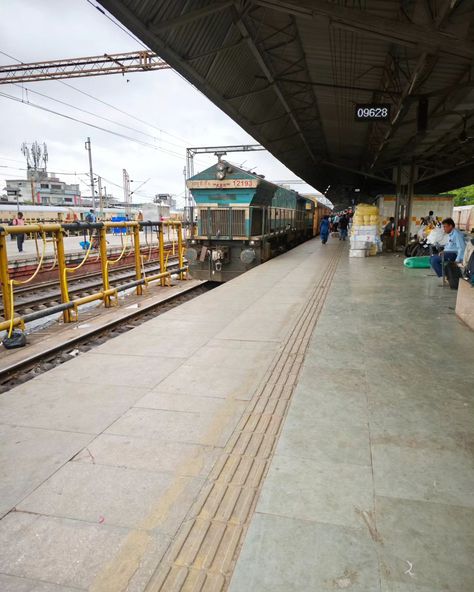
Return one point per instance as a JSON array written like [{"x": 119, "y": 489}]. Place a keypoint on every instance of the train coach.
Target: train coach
[
  {"x": 242, "y": 220},
  {"x": 35, "y": 214}
]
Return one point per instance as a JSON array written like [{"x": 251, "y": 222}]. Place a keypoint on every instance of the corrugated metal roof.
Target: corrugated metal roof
[{"x": 291, "y": 73}]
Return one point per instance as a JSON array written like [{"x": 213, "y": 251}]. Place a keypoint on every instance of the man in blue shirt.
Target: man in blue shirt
[{"x": 453, "y": 250}]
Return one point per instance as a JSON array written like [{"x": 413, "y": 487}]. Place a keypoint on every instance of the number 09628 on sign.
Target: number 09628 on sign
[{"x": 372, "y": 112}]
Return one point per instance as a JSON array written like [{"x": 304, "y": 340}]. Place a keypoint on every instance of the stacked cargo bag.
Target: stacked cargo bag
[{"x": 365, "y": 233}]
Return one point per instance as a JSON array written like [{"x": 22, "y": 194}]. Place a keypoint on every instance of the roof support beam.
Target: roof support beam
[
  {"x": 425, "y": 64},
  {"x": 213, "y": 52},
  {"x": 357, "y": 172},
  {"x": 340, "y": 86},
  {"x": 263, "y": 66},
  {"x": 401, "y": 33},
  {"x": 192, "y": 15}
]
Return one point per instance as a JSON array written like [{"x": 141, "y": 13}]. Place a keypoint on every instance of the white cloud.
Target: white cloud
[{"x": 50, "y": 29}]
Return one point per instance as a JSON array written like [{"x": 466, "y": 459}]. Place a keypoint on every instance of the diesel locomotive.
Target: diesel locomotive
[{"x": 242, "y": 220}]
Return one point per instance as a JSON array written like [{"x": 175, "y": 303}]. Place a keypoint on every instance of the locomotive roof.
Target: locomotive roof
[{"x": 236, "y": 172}]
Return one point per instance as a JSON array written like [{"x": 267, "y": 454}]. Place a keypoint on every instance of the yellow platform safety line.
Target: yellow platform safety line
[{"x": 21, "y": 283}]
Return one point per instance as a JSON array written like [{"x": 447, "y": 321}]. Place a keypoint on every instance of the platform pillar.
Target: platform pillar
[
  {"x": 409, "y": 207},
  {"x": 397, "y": 205}
]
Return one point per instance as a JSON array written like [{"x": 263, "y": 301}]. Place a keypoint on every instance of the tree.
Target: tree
[{"x": 464, "y": 196}]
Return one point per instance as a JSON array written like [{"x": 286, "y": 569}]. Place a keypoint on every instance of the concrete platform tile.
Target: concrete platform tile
[
  {"x": 322, "y": 403},
  {"x": 320, "y": 557},
  {"x": 409, "y": 413},
  {"x": 144, "y": 344},
  {"x": 423, "y": 473},
  {"x": 176, "y": 426},
  {"x": 341, "y": 355},
  {"x": 192, "y": 323},
  {"x": 437, "y": 561},
  {"x": 14, "y": 584},
  {"x": 214, "y": 358},
  {"x": 117, "y": 370},
  {"x": 98, "y": 493},
  {"x": 57, "y": 550},
  {"x": 324, "y": 440},
  {"x": 245, "y": 344},
  {"x": 334, "y": 493},
  {"x": 149, "y": 455},
  {"x": 51, "y": 403},
  {"x": 257, "y": 326},
  {"x": 420, "y": 517},
  {"x": 325, "y": 379},
  {"x": 28, "y": 456},
  {"x": 237, "y": 383},
  {"x": 157, "y": 399},
  {"x": 390, "y": 586}
]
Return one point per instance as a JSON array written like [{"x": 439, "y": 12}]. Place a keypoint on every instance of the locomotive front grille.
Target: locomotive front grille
[{"x": 222, "y": 222}]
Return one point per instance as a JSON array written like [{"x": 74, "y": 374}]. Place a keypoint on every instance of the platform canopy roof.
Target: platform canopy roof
[{"x": 291, "y": 72}]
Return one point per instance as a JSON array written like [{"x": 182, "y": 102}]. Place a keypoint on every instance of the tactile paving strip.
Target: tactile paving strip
[{"x": 203, "y": 554}]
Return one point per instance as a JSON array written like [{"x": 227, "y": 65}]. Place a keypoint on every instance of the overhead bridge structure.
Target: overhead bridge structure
[{"x": 292, "y": 74}]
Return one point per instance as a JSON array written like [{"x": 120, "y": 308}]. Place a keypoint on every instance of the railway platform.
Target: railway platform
[{"x": 306, "y": 426}]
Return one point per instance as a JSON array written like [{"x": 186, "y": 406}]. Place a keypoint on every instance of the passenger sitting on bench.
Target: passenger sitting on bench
[{"x": 453, "y": 250}]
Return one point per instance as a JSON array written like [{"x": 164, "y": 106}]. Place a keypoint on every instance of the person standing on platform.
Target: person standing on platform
[
  {"x": 453, "y": 250},
  {"x": 90, "y": 218},
  {"x": 324, "y": 229},
  {"x": 335, "y": 222},
  {"x": 20, "y": 238},
  {"x": 343, "y": 224}
]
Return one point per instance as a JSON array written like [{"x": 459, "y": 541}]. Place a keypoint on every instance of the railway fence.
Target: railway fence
[{"x": 97, "y": 243}]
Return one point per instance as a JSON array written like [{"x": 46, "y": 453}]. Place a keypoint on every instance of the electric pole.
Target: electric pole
[
  {"x": 99, "y": 190},
  {"x": 126, "y": 191},
  {"x": 91, "y": 172},
  {"x": 186, "y": 193}
]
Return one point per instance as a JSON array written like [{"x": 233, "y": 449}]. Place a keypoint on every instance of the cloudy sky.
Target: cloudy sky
[{"x": 163, "y": 109}]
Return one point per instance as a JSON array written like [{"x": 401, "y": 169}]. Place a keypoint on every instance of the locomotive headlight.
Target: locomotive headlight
[
  {"x": 247, "y": 256},
  {"x": 220, "y": 175},
  {"x": 252, "y": 242},
  {"x": 191, "y": 255},
  {"x": 220, "y": 166}
]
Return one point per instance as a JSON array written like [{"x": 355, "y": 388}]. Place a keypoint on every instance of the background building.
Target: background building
[
  {"x": 44, "y": 189},
  {"x": 40, "y": 187}
]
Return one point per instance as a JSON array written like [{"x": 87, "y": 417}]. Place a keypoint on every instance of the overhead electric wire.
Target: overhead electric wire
[
  {"x": 103, "y": 129},
  {"x": 147, "y": 123},
  {"x": 4, "y": 166},
  {"x": 117, "y": 24},
  {"x": 30, "y": 90}
]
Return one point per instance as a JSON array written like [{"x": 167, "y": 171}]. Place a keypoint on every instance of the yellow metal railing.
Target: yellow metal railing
[{"x": 69, "y": 307}]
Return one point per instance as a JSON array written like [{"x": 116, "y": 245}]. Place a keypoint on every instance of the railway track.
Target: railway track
[
  {"x": 42, "y": 295},
  {"x": 36, "y": 364}
]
